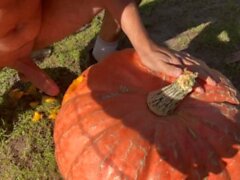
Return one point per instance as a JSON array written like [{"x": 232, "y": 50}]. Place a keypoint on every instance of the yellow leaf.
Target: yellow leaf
[
  {"x": 52, "y": 116},
  {"x": 53, "y": 113},
  {"x": 47, "y": 99},
  {"x": 37, "y": 116}
]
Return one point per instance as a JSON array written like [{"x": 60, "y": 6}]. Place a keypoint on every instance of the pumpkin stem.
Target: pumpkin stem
[{"x": 162, "y": 102}]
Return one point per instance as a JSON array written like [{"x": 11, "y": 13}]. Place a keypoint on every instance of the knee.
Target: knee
[{"x": 18, "y": 36}]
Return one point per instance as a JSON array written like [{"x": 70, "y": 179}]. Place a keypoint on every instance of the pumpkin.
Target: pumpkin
[{"x": 106, "y": 130}]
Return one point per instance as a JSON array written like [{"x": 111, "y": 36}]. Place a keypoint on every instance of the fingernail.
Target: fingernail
[
  {"x": 200, "y": 90},
  {"x": 53, "y": 91},
  {"x": 177, "y": 73},
  {"x": 211, "y": 82}
]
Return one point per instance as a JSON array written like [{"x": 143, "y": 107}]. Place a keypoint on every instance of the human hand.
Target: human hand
[
  {"x": 29, "y": 71},
  {"x": 172, "y": 63}
]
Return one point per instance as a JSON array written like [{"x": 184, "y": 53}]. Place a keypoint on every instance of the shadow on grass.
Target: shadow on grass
[
  {"x": 86, "y": 58},
  {"x": 166, "y": 19},
  {"x": 11, "y": 107}
]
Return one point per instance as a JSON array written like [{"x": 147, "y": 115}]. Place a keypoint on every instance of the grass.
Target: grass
[{"x": 208, "y": 29}]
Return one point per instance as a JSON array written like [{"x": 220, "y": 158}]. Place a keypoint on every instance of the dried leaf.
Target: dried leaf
[
  {"x": 49, "y": 100},
  {"x": 37, "y": 116},
  {"x": 34, "y": 104},
  {"x": 16, "y": 94},
  {"x": 32, "y": 90}
]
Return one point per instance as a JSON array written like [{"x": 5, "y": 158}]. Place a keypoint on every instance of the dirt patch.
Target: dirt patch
[{"x": 19, "y": 149}]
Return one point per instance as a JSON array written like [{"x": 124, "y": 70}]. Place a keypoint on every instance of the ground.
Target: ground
[{"x": 207, "y": 29}]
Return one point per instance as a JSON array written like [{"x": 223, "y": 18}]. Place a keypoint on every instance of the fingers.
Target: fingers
[
  {"x": 174, "y": 71},
  {"x": 198, "y": 88},
  {"x": 35, "y": 75},
  {"x": 171, "y": 58},
  {"x": 170, "y": 69},
  {"x": 195, "y": 65},
  {"x": 205, "y": 73},
  {"x": 212, "y": 79},
  {"x": 172, "y": 63}
]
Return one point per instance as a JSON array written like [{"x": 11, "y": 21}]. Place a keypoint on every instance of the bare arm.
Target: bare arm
[
  {"x": 126, "y": 13},
  {"x": 156, "y": 58}
]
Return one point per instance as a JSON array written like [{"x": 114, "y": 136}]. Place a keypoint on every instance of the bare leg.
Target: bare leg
[
  {"x": 111, "y": 30},
  {"x": 107, "y": 40}
]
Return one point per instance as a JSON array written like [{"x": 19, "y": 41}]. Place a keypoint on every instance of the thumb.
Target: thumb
[{"x": 36, "y": 76}]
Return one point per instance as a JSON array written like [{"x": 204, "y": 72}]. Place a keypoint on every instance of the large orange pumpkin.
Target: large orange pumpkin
[{"x": 105, "y": 129}]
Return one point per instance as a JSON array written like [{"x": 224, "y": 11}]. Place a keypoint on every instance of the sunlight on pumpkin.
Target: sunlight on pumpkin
[
  {"x": 73, "y": 86},
  {"x": 76, "y": 82}
]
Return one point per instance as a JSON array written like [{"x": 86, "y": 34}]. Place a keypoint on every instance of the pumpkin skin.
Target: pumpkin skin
[{"x": 104, "y": 129}]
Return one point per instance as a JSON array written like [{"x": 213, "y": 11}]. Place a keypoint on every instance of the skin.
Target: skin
[{"x": 27, "y": 25}]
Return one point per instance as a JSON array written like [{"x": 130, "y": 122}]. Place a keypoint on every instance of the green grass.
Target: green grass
[{"x": 208, "y": 29}]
